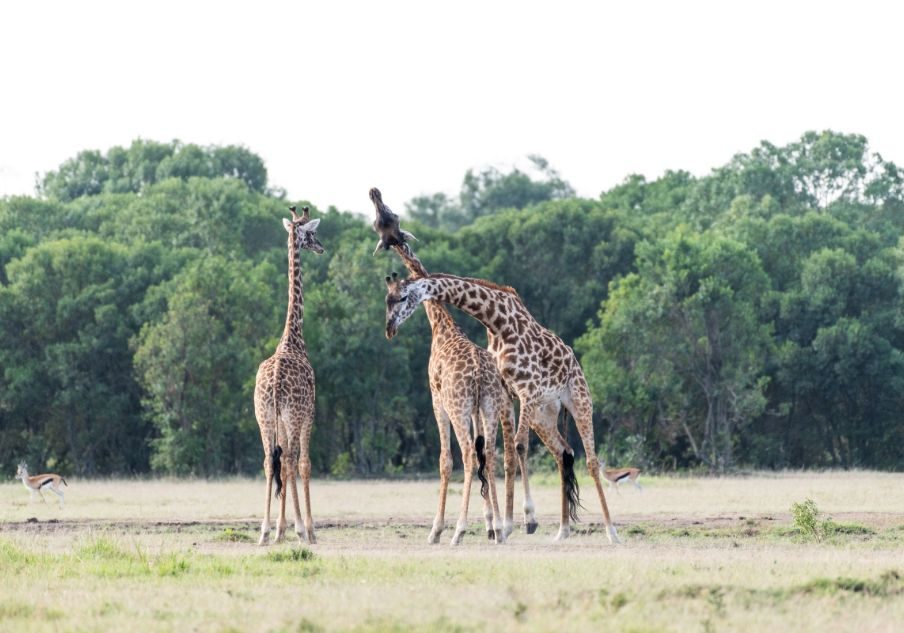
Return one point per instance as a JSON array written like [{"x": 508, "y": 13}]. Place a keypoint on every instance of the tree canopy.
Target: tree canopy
[{"x": 753, "y": 316}]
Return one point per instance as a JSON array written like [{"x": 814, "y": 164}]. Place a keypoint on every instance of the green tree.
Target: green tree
[
  {"x": 686, "y": 332},
  {"x": 490, "y": 190},
  {"x": 144, "y": 163},
  {"x": 197, "y": 363},
  {"x": 559, "y": 255},
  {"x": 67, "y": 395},
  {"x": 366, "y": 419}
]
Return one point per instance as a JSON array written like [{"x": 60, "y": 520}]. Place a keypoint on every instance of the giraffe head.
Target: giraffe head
[
  {"x": 304, "y": 231},
  {"x": 402, "y": 299}
]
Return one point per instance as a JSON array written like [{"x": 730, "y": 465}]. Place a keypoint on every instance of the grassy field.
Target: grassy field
[{"x": 697, "y": 555}]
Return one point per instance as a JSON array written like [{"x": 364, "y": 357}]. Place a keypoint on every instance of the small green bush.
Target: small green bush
[
  {"x": 806, "y": 520},
  {"x": 231, "y": 535},
  {"x": 292, "y": 555}
]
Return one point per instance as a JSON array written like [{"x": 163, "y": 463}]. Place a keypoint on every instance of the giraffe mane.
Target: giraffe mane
[{"x": 480, "y": 282}]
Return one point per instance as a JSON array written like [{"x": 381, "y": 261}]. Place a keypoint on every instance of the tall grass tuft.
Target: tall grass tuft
[{"x": 806, "y": 520}]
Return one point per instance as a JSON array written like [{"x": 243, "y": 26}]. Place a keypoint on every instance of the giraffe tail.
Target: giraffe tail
[
  {"x": 480, "y": 447},
  {"x": 276, "y": 466},
  {"x": 570, "y": 483}
]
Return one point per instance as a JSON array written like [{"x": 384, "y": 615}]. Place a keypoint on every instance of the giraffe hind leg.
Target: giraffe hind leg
[
  {"x": 461, "y": 427},
  {"x": 304, "y": 470},
  {"x": 521, "y": 445},
  {"x": 581, "y": 408},
  {"x": 445, "y": 472}
]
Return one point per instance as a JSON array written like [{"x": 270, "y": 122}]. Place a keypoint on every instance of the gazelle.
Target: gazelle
[
  {"x": 38, "y": 482},
  {"x": 618, "y": 475}
]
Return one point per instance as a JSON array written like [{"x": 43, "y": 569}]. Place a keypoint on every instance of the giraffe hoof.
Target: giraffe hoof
[
  {"x": 264, "y": 540},
  {"x": 491, "y": 535},
  {"x": 532, "y": 527}
]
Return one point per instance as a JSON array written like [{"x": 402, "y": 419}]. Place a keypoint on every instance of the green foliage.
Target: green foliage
[
  {"x": 488, "y": 191},
  {"x": 752, "y": 316},
  {"x": 806, "y": 519},
  {"x": 293, "y": 555},
  {"x": 213, "y": 331},
  {"x": 130, "y": 170},
  {"x": 231, "y": 535}
]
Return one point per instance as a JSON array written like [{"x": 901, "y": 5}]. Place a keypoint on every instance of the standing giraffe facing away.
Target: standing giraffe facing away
[
  {"x": 284, "y": 395},
  {"x": 466, "y": 389},
  {"x": 541, "y": 369}
]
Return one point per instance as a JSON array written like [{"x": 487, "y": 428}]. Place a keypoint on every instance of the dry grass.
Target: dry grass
[{"x": 699, "y": 555}]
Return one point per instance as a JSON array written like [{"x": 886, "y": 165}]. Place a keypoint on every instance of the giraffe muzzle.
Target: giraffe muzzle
[{"x": 391, "y": 329}]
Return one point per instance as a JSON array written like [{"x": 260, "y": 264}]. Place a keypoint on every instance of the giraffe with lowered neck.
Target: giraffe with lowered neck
[
  {"x": 535, "y": 363},
  {"x": 284, "y": 395},
  {"x": 465, "y": 388}
]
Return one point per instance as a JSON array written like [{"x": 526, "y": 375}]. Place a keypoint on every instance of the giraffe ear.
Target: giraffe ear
[
  {"x": 311, "y": 226},
  {"x": 288, "y": 224}
]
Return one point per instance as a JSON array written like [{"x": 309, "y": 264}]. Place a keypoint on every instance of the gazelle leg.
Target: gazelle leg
[
  {"x": 58, "y": 493},
  {"x": 445, "y": 472}
]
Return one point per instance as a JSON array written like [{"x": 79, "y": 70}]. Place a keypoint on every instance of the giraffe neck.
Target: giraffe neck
[
  {"x": 492, "y": 305},
  {"x": 292, "y": 337},
  {"x": 442, "y": 325}
]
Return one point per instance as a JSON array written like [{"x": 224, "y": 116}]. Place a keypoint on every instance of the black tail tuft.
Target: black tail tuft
[
  {"x": 63, "y": 479},
  {"x": 479, "y": 446},
  {"x": 570, "y": 482},
  {"x": 276, "y": 465}
]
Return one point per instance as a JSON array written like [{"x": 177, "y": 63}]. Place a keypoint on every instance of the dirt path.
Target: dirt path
[{"x": 875, "y": 520}]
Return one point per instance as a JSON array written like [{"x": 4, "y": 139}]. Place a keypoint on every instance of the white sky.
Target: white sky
[{"x": 338, "y": 97}]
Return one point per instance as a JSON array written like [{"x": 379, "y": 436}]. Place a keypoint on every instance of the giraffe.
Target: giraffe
[
  {"x": 464, "y": 385},
  {"x": 284, "y": 395},
  {"x": 535, "y": 363}
]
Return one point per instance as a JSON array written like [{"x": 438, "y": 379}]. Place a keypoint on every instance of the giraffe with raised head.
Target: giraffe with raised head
[
  {"x": 467, "y": 391},
  {"x": 535, "y": 363},
  {"x": 284, "y": 395}
]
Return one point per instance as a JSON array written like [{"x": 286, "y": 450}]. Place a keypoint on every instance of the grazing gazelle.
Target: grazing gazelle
[
  {"x": 618, "y": 475},
  {"x": 36, "y": 483}
]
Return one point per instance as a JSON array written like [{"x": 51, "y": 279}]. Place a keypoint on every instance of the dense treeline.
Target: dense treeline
[{"x": 750, "y": 317}]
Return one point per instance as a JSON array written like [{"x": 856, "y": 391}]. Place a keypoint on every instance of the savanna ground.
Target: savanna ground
[{"x": 698, "y": 554}]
